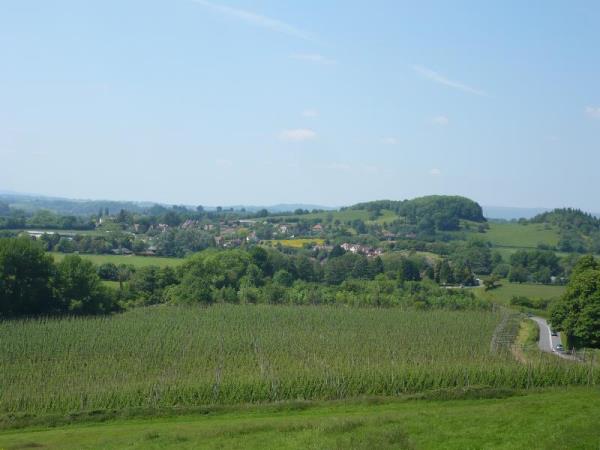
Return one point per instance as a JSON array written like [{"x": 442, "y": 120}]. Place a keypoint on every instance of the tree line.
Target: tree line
[{"x": 31, "y": 283}]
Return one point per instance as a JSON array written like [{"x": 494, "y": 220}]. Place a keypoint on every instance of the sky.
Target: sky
[{"x": 261, "y": 102}]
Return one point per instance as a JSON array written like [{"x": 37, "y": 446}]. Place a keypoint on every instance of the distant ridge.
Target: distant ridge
[
  {"x": 63, "y": 205},
  {"x": 510, "y": 213}
]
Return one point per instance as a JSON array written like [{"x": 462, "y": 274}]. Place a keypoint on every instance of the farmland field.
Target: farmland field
[
  {"x": 163, "y": 357},
  {"x": 295, "y": 243},
  {"x": 137, "y": 261}
]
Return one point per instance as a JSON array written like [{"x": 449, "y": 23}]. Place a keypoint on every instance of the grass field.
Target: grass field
[
  {"x": 111, "y": 284},
  {"x": 295, "y": 243},
  {"x": 521, "y": 236},
  {"x": 555, "y": 419},
  {"x": 504, "y": 293},
  {"x": 137, "y": 261},
  {"x": 163, "y": 357}
]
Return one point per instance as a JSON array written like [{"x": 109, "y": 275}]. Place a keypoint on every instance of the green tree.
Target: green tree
[
  {"x": 408, "y": 270},
  {"x": 108, "y": 271},
  {"x": 80, "y": 289},
  {"x": 336, "y": 251},
  {"x": 518, "y": 274},
  {"x": 375, "y": 267},
  {"x": 491, "y": 283},
  {"x": 26, "y": 279},
  {"x": 577, "y": 312},
  {"x": 283, "y": 278},
  {"x": 360, "y": 270},
  {"x": 444, "y": 273}
]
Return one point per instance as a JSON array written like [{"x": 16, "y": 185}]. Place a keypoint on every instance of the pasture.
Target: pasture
[
  {"x": 521, "y": 236},
  {"x": 164, "y": 357},
  {"x": 137, "y": 261},
  {"x": 507, "y": 291}
]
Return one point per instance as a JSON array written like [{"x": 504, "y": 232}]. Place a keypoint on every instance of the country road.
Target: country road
[{"x": 547, "y": 342}]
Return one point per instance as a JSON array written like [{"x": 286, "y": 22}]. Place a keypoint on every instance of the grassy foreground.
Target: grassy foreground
[{"x": 554, "y": 419}]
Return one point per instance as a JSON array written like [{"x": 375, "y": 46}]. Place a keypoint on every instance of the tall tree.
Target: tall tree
[
  {"x": 26, "y": 273},
  {"x": 577, "y": 313}
]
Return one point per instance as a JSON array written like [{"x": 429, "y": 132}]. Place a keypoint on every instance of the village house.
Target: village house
[
  {"x": 189, "y": 224},
  {"x": 38, "y": 234},
  {"x": 388, "y": 235},
  {"x": 252, "y": 237},
  {"x": 359, "y": 249}
]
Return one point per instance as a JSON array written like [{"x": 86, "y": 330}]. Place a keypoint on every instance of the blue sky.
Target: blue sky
[{"x": 264, "y": 102}]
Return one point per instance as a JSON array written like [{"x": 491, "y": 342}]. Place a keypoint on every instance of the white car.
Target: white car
[{"x": 559, "y": 348}]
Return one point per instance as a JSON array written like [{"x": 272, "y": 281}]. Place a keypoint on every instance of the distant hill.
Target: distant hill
[
  {"x": 444, "y": 212},
  {"x": 280, "y": 208},
  {"x": 78, "y": 207},
  {"x": 579, "y": 231},
  {"x": 32, "y": 202}
]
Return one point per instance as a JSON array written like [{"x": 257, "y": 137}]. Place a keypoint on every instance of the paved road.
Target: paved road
[{"x": 547, "y": 342}]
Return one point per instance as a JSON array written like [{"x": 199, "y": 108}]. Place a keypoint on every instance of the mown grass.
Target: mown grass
[
  {"x": 566, "y": 418},
  {"x": 164, "y": 357},
  {"x": 137, "y": 261}
]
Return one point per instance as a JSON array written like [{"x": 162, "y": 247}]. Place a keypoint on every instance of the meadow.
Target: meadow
[
  {"x": 165, "y": 357},
  {"x": 137, "y": 261},
  {"x": 515, "y": 235},
  {"x": 503, "y": 294}
]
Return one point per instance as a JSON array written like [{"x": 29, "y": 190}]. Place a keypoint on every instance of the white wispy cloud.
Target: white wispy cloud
[
  {"x": 389, "y": 141},
  {"x": 441, "y": 120},
  {"x": 257, "y": 20},
  {"x": 310, "y": 113},
  {"x": 441, "y": 79},
  {"x": 297, "y": 135},
  {"x": 315, "y": 58},
  {"x": 435, "y": 172},
  {"x": 593, "y": 112}
]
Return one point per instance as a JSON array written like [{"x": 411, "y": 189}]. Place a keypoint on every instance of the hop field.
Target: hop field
[{"x": 225, "y": 354}]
